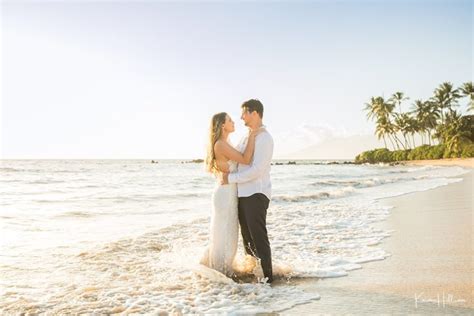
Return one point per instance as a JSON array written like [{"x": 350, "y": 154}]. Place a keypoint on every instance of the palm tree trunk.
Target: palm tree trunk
[
  {"x": 398, "y": 141},
  {"x": 391, "y": 141}
]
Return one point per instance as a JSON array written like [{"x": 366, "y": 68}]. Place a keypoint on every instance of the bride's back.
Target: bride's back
[
  {"x": 222, "y": 165},
  {"x": 222, "y": 162}
]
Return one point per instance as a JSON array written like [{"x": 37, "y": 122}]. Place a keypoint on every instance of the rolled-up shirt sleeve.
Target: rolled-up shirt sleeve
[{"x": 262, "y": 158}]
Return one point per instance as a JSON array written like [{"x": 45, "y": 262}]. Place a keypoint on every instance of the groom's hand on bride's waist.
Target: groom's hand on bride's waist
[{"x": 223, "y": 178}]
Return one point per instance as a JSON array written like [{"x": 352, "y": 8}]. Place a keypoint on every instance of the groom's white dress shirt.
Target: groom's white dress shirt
[{"x": 255, "y": 178}]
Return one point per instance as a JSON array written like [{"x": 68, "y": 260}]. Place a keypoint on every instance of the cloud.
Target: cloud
[{"x": 306, "y": 135}]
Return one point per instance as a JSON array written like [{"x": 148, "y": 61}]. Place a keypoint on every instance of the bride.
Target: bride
[{"x": 224, "y": 229}]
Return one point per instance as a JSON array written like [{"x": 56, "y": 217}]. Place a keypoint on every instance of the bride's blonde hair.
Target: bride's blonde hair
[{"x": 215, "y": 132}]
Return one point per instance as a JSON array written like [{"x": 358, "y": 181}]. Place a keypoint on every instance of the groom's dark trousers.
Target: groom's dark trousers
[{"x": 253, "y": 226}]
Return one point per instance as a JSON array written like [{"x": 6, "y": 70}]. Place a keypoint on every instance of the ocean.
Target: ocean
[{"x": 111, "y": 236}]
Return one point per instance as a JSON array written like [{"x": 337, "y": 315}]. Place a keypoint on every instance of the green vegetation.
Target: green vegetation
[{"x": 444, "y": 132}]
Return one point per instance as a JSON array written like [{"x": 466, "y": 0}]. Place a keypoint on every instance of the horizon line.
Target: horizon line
[{"x": 162, "y": 159}]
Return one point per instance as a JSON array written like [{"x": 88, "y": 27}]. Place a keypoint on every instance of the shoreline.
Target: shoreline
[
  {"x": 461, "y": 162},
  {"x": 430, "y": 268}
]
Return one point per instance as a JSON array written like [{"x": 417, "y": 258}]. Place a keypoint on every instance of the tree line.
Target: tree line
[{"x": 436, "y": 120}]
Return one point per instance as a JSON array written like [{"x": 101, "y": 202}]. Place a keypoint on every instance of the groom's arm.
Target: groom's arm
[{"x": 262, "y": 158}]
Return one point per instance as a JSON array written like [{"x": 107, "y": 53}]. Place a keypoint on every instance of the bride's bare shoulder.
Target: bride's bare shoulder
[{"x": 220, "y": 145}]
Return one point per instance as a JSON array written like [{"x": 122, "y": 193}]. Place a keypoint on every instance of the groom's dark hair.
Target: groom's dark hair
[{"x": 253, "y": 105}]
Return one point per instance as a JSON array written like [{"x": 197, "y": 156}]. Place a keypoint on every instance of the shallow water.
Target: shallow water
[{"x": 126, "y": 235}]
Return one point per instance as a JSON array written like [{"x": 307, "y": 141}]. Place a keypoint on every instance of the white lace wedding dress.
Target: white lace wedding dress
[{"x": 224, "y": 228}]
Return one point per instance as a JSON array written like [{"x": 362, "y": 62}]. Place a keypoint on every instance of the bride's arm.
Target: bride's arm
[{"x": 231, "y": 153}]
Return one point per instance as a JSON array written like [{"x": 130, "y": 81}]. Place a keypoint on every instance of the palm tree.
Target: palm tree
[
  {"x": 427, "y": 115},
  {"x": 374, "y": 112},
  {"x": 384, "y": 128},
  {"x": 445, "y": 97},
  {"x": 438, "y": 101},
  {"x": 452, "y": 95},
  {"x": 420, "y": 110},
  {"x": 467, "y": 90},
  {"x": 386, "y": 108},
  {"x": 379, "y": 109},
  {"x": 453, "y": 133},
  {"x": 372, "y": 108},
  {"x": 397, "y": 98},
  {"x": 401, "y": 126},
  {"x": 413, "y": 127},
  {"x": 431, "y": 118}
]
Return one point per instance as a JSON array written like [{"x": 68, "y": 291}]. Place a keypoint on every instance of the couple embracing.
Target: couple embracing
[{"x": 242, "y": 193}]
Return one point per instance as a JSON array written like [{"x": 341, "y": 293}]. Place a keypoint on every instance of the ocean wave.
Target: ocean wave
[
  {"x": 316, "y": 196},
  {"x": 8, "y": 169},
  {"x": 363, "y": 183},
  {"x": 140, "y": 198},
  {"x": 45, "y": 181},
  {"x": 89, "y": 186},
  {"x": 398, "y": 171},
  {"x": 10, "y": 181},
  {"x": 423, "y": 168},
  {"x": 51, "y": 201},
  {"x": 335, "y": 182},
  {"x": 123, "y": 199},
  {"x": 47, "y": 169},
  {"x": 80, "y": 214}
]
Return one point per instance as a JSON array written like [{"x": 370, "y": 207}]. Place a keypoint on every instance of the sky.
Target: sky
[{"x": 129, "y": 79}]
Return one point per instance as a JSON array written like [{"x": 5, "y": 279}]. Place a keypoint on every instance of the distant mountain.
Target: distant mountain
[{"x": 338, "y": 148}]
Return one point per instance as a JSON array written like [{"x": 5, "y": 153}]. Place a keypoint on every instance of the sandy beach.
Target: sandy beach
[
  {"x": 430, "y": 269},
  {"x": 462, "y": 162}
]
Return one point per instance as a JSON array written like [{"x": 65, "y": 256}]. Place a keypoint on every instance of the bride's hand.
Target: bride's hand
[
  {"x": 254, "y": 133},
  {"x": 223, "y": 178}
]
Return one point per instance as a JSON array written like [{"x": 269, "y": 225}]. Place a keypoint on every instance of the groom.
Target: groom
[{"x": 254, "y": 188}]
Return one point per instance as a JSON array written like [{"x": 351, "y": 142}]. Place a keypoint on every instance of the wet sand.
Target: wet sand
[{"x": 431, "y": 267}]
